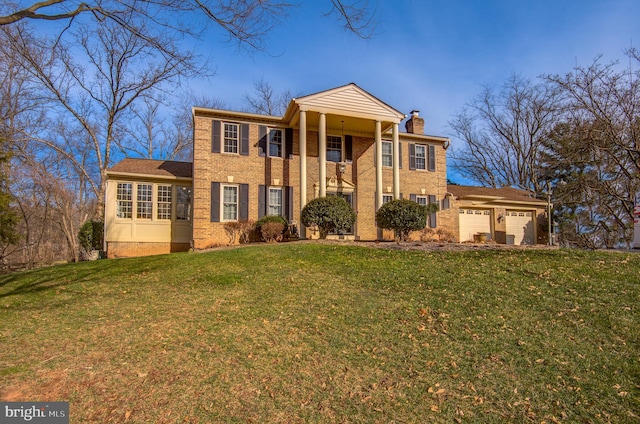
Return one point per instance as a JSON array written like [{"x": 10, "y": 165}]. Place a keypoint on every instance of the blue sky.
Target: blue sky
[{"x": 427, "y": 55}]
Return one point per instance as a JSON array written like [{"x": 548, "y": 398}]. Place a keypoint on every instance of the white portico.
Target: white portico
[{"x": 339, "y": 116}]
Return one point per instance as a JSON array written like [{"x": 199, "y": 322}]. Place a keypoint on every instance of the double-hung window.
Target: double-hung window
[
  {"x": 421, "y": 156},
  {"x": 229, "y": 203},
  {"x": 386, "y": 198},
  {"x": 164, "y": 201},
  {"x": 183, "y": 203},
  {"x": 231, "y": 135},
  {"x": 275, "y": 143},
  {"x": 124, "y": 200},
  {"x": 387, "y": 153},
  {"x": 145, "y": 202},
  {"x": 334, "y": 148},
  {"x": 275, "y": 201},
  {"x": 422, "y": 200}
]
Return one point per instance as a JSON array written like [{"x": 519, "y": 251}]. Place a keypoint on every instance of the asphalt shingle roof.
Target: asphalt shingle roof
[
  {"x": 161, "y": 168},
  {"x": 506, "y": 193}
]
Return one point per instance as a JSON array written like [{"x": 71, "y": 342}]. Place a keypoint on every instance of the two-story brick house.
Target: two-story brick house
[{"x": 342, "y": 141}]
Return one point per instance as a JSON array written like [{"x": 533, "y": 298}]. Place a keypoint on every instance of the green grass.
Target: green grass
[{"x": 305, "y": 332}]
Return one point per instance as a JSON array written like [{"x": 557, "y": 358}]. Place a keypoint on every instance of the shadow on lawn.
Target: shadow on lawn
[{"x": 45, "y": 279}]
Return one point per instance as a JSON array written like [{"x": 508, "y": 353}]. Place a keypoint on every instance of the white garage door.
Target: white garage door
[
  {"x": 474, "y": 221},
  {"x": 520, "y": 225}
]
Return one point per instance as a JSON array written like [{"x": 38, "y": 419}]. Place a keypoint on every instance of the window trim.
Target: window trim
[
  {"x": 222, "y": 202},
  {"x": 424, "y": 158},
  {"x": 162, "y": 210},
  {"x": 389, "y": 155},
  {"x": 270, "y": 131},
  {"x": 429, "y": 157},
  {"x": 140, "y": 203},
  {"x": 335, "y": 137},
  {"x": 187, "y": 204},
  {"x": 269, "y": 204},
  {"x": 120, "y": 201},
  {"x": 225, "y": 138}
]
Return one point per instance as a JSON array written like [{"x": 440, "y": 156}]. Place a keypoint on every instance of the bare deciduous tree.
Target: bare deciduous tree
[
  {"x": 501, "y": 134},
  {"x": 96, "y": 96},
  {"x": 246, "y": 22},
  {"x": 595, "y": 152},
  {"x": 265, "y": 101}
]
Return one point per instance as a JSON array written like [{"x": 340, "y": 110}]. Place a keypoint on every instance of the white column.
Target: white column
[
  {"x": 378, "y": 141},
  {"x": 303, "y": 167},
  {"x": 396, "y": 162},
  {"x": 322, "y": 154}
]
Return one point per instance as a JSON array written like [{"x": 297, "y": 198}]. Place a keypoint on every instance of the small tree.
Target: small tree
[
  {"x": 91, "y": 236},
  {"x": 328, "y": 214},
  {"x": 402, "y": 216}
]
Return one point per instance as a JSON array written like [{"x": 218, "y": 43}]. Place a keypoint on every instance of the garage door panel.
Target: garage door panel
[
  {"x": 473, "y": 221},
  {"x": 520, "y": 225}
]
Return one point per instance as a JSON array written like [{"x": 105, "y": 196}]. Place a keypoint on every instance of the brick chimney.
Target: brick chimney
[{"x": 415, "y": 124}]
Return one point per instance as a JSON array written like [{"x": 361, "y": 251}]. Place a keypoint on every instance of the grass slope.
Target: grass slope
[{"x": 324, "y": 333}]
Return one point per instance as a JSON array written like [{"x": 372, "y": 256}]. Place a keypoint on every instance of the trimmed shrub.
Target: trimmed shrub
[
  {"x": 272, "y": 231},
  {"x": 238, "y": 230},
  {"x": 328, "y": 214},
  {"x": 402, "y": 216},
  {"x": 272, "y": 218}
]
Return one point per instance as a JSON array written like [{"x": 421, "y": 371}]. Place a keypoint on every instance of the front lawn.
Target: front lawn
[{"x": 304, "y": 332}]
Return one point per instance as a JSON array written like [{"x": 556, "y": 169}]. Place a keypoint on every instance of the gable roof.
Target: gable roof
[
  {"x": 347, "y": 100},
  {"x": 151, "y": 167},
  {"x": 494, "y": 195}
]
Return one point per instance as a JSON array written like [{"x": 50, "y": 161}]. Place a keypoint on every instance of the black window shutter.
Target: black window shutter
[
  {"x": 432, "y": 158},
  {"x": 412, "y": 156},
  {"x": 215, "y": 136},
  {"x": 244, "y": 139},
  {"x": 348, "y": 148},
  {"x": 288, "y": 143},
  {"x": 288, "y": 202},
  {"x": 413, "y": 197},
  {"x": 262, "y": 140},
  {"x": 244, "y": 202},
  {"x": 432, "y": 219},
  {"x": 215, "y": 202},
  {"x": 446, "y": 203},
  {"x": 262, "y": 200}
]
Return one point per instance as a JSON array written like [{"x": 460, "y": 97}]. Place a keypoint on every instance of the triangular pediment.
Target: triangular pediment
[
  {"x": 349, "y": 100},
  {"x": 340, "y": 185}
]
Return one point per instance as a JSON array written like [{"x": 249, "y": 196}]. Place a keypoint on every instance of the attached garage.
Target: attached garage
[
  {"x": 520, "y": 226},
  {"x": 474, "y": 221},
  {"x": 510, "y": 215}
]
